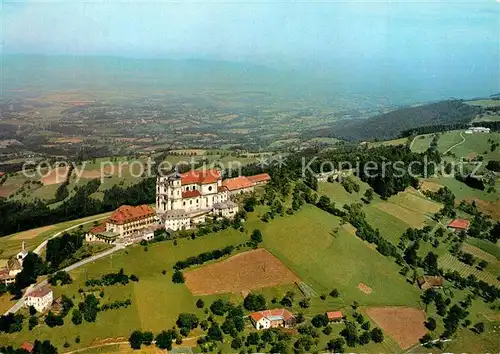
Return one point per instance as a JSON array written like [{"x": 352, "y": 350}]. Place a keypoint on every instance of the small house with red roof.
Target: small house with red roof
[
  {"x": 41, "y": 298},
  {"x": 335, "y": 316},
  {"x": 459, "y": 225},
  {"x": 272, "y": 319},
  {"x": 27, "y": 346}
]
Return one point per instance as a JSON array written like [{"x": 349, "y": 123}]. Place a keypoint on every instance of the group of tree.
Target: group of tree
[
  {"x": 61, "y": 248},
  {"x": 204, "y": 257},
  {"x": 39, "y": 347},
  {"x": 111, "y": 279}
]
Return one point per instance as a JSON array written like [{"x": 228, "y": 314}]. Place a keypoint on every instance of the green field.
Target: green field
[
  {"x": 486, "y": 246},
  {"x": 463, "y": 191},
  {"x": 422, "y": 142}
]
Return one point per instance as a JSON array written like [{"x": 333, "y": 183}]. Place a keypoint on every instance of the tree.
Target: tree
[
  {"x": 52, "y": 320},
  {"x": 350, "y": 334},
  {"x": 164, "y": 339},
  {"x": 256, "y": 236},
  {"x": 479, "y": 327},
  {"x": 253, "y": 338},
  {"x": 430, "y": 324},
  {"x": 76, "y": 317},
  {"x": 32, "y": 310},
  {"x": 305, "y": 303},
  {"x": 254, "y": 302},
  {"x": 237, "y": 343},
  {"x": 336, "y": 345},
  {"x": 147, "y": 338},
  {"x": 483, "y": 264},
  {"x": 33, "y": 322},
  {"x": 327, "y": 330},
  {"x": 369, "y": 195},
  {"x": 426, "y": 338},
  {"x": 188, "y": 321},
  {"x": 219, "y": 307},
  {"x": 44, "y": 347},
  {"x": 286, "y": 301},
  {"x": 430, "y": 263},
  {"x": 200, "y": 304},
  {"x": 334, "y": 293},
  {"x": 319, "y": 320},
  {"x": 377, "y": 335},
  {"x": 214, "y": 332},
  {"x": 135, "y": 340},
  {"x": 366, "y": 326},
  {"x": 364, "y": 338},
  {"x": 178, "y": 277}
]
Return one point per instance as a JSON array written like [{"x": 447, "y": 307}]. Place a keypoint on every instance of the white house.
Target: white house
[
  {"x": 272, "y": 319},
  {"x": 472, "y": 130},
  {"x": 41, "y": 298}
]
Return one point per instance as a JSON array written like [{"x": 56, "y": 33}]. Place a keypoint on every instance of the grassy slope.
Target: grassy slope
[
  {"x": 422, "y": 143},
  {"x": 303, "y": 242}
]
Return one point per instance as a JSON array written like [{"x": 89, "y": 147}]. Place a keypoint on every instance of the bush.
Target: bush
[
  {"x": 178, "y": 277},
  {"x": 200, "y": 304}
]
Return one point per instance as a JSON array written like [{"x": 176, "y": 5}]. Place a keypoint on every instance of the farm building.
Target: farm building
[
  {"x": 272, "y": 319},
  {"x": 225, "y": 209},
  {"x": 238, "y": 185},
  {"x": 472, "y": 130},
  {"x": 427, "y": 282},
  {"x": 14, "y": 266},
  {"x": 259, "y": 179},
  {"x": 27, "y": 346},
  {"x": 41, "y": 298},
  {"x": 459, "y": 225},
  {"x": 334, "y": 316}
]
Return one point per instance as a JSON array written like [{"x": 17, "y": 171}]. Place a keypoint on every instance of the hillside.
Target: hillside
[{"x": 390, "y": 125}]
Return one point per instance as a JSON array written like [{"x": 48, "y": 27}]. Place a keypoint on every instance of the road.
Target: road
[
  {"x": 44, "y": 243},
  {"x": 454, "y": 146},
  {"x": 69, "y": 268}
]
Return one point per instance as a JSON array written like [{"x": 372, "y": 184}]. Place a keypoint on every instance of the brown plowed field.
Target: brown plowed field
[{"x": 242, "y": 272}]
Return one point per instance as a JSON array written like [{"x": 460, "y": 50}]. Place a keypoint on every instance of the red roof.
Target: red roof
[
  {"x": 283, "y": 313},
  {"x": 200, "y": 177},
  {"x": 27, "y": 346},
  {"x": 334, "y": 315},
  {"x": 127, "y": 213},
  {"x": 40, "y": 292},
  {"x": 1, "y": 173},
  {"x": 236, "y": 183},
  {"x": 263, "y": 177},
  {"x": 191, "y": 194},
  {"x": 459, "y": 224},
  {"x": 98, "y": 229}
]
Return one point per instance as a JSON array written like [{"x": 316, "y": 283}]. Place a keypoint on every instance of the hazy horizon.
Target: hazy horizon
[{"x": 437, "y": 49}]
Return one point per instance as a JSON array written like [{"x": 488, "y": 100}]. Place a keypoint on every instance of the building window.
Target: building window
[{"x": 210, "y": 188}]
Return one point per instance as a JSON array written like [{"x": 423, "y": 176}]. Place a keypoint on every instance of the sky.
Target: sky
[{"x": 423, "y": 37}]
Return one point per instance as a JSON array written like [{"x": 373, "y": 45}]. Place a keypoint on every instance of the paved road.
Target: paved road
[
  {"x": 93, "y": 258},
  {"x": 454, "y": 146},
  {"x": 44, "y": 243}
]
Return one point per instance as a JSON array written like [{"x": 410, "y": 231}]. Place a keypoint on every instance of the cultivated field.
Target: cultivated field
[
  {"x": 479, "y": 253},
  {"x": 55, "y": 176},
  {"x": 451, "y": 263},
  {"x": 240, "y": 273},
  {"x": 404, "y": 324}
]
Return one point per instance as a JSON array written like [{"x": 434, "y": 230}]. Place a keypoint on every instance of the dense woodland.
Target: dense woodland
[{"x": 391, "y": 125}]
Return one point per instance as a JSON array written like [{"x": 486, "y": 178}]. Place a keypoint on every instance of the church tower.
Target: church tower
[{"x": 168, "y": 193}]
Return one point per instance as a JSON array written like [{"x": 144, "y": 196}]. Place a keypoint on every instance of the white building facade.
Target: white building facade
[{"x": 41, "y": 298}]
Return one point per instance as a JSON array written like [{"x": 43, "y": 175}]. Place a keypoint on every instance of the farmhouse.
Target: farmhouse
[
  {"x": 459, "y": 225},
  {"x": 272, "y": 319},
  {"x": 430, "y": 282},
  {"x": 334, "y": 316},
  {"x": 27, "y": 346},
  {"x": 14, "y": 266},
  {"x": 41, "y": 298},
  {"x": 125, "y": 224},
  {"x": 472, "y": 130}
]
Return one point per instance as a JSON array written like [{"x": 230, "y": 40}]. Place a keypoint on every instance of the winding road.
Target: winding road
[
  {"x": 454, "y": 146},
  {"x": 19, "y": 304}
]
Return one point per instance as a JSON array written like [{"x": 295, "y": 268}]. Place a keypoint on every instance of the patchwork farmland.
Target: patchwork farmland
[{"x": 448, "y": 262}]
